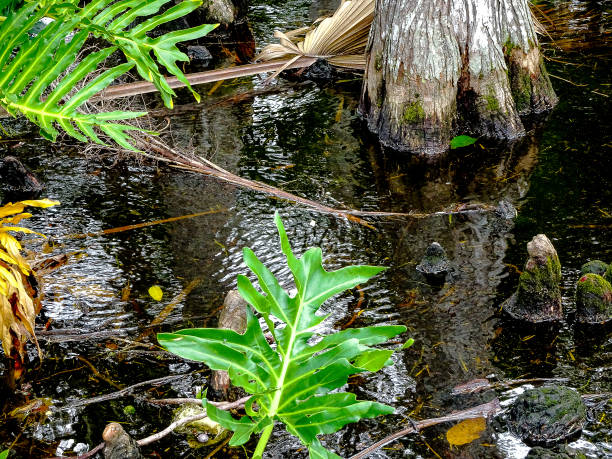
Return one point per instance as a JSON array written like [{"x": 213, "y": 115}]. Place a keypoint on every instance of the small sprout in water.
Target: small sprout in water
[
  {"x": 156, "y": 292},
  {"x": 407, "y": 344},
  {"x": 462, "y": 141},
  {"x": 129, "y": 410}
]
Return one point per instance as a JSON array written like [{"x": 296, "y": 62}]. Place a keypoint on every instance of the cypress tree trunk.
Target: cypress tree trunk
[{"x": 440, "y": 67}]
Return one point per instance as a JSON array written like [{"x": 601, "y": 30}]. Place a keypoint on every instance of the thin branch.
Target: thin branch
[
  {"x": 485, "y": 410},
  {"x": 203, "y": 166},
  {"x": 161, "y": 434},
  {"x": 123, "y": 392},
  {"x": 180, "y": 401}
]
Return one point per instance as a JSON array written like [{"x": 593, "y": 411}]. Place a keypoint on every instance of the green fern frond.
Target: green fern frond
[{"x": 38, "y": 75}]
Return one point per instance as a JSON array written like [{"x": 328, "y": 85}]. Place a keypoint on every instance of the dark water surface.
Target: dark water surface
[{"x": 308, "y": 140}]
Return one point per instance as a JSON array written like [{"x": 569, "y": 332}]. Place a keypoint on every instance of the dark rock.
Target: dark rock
[
  {"x": 198, "y": 54},
  {"x": 593, "y": 300},
  {"x": 547, "y": 415},
  {"x": 594, "y": 267},
  {"x": 608, "y": 274},
  {"x": 232, "y": 317},
  {"x": 542, "y": 453},
  {"x": 18, "y": 182},
  {"x": 435, "y": 263},
  {"x": 320, "y": 72},
  {"x": 538, "y": 297},
  {"x": 119, "y": 445},
  {"x": 506, "y": 210}
]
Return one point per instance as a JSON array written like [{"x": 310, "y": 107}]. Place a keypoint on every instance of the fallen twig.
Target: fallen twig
[
  {"x": 478, "y": 385},
  {"x": 485, "y": 410},
  {"x": 161, "y": 434},
  {"x": 180, "y": 401},
  {"x": 123, "y": 392},
  {"x": 222, "y": 405},
  {"x": 162, "y": 152}
]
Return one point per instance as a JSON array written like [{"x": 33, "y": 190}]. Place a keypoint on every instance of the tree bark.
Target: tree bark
[{"x": 436, "y": 68}]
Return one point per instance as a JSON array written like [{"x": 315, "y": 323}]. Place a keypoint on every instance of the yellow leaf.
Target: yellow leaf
[
  {"x": 20, "y": 229},
  {"x": 156, "y": 293},
  {"x": 40, "y": 203},
  {"x": 8, "y": 276},
  {"x": 466, "y": 431},
  {"x": 11, "y": 209},
  {"x": 17, "y": 218},
  {"x": 6, "y": 257}
]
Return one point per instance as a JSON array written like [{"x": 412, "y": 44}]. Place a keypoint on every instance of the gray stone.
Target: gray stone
[
  {"x": 118, "y": 444},
  {"x": 547, "y": 415},
  {"x": 222, "y": 11},
  {"x": 538, "y": 296},
  {"x": 198, "y": 53},
  {"x": 593, "y": 300}
]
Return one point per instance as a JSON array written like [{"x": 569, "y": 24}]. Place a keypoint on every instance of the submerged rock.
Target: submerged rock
[
  {"x": 232, "y": 317},
  {"x": 594, "y": 267},
  {"x": 201, "y": 432},
  {"x": 593, "y": 299},
  {"x": 608, "y": 274},
  {"x": 538, "y": 296},
  {"x": 435, "y": 264},
  {"x": 199, "y": 54},
  {"x": 118, "y": 443},
  {"x": 18, "y": 182},
  {"x": 547, "y": 415},
  {"x": 506, "y": 210},
  {"x": 542, "y": 453},
  {"x": 320, "y": 72}
]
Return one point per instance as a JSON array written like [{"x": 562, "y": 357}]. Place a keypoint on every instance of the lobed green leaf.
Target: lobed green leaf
[{"x": 291, "y": 379}]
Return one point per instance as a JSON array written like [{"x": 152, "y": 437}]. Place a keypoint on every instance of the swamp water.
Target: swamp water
[{"x": 307, "y": 139}]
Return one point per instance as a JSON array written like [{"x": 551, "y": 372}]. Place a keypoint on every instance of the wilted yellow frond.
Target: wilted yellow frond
[
  {"x": 17, "y": 307},
  {"x": 17, "y": 218},
  {"x": 44, "y": 203}
]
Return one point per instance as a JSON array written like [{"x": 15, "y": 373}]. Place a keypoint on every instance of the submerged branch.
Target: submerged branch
[
  {"x": 485, "y": 410},
  {"x": 199, "y": 165},
  {"x": 123, "y": 392}
]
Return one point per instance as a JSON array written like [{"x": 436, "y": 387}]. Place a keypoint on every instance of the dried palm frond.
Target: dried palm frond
[{"x": 340, "y": 39}]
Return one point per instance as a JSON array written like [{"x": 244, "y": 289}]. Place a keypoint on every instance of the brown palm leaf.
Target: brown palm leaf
[{"x": 340, "y": 39}]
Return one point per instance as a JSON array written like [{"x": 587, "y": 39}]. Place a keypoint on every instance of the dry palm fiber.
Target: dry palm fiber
[{"x": 340, "y": 39}]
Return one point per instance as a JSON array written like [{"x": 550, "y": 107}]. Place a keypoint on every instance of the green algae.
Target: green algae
[
  {"x": 593, "y": 299},
  {"x": 414, "y": 113}
]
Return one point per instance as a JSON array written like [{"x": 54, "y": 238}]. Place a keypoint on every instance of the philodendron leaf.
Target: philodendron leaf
[
  {"x": 43, "y": 78},
  {"x": 291, "y": 380}
]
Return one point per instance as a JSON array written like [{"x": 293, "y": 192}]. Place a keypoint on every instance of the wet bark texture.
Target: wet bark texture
[{"x": 440, "y": 67}]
